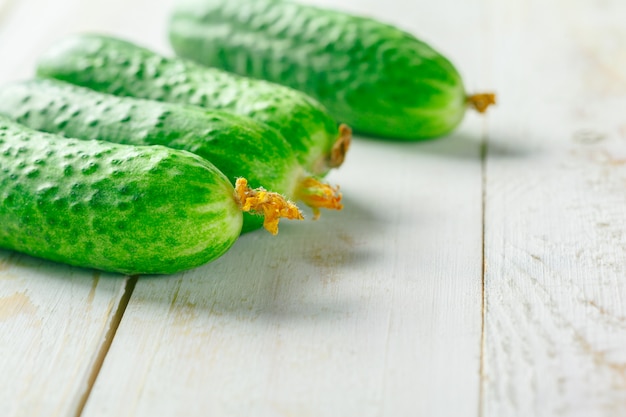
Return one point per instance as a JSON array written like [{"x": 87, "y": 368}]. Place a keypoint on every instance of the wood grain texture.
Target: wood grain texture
[
  {"x": 373, "y": 311},
  {"x": 555, "y": 325},
  {"x": 54, "y": 322}
]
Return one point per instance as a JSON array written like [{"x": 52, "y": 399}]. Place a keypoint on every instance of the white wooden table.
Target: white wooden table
[{"x": 481, "y": 274}]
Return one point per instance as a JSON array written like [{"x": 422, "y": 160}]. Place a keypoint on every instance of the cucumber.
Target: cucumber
[
  {"x": 119, "y": 208},
  {"x": 121, "y": 68},
  {"x": 237, "y": 145},
  {"x": 377, "y": 78}
]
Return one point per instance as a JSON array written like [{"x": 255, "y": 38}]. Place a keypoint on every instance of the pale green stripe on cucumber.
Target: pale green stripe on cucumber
[
  {"x": 237, "y": 145},
  {"x": 121, "y": 68},
  {"x": 373, "y": 76}
]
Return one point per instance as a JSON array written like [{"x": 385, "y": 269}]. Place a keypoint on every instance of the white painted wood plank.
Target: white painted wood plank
[
  {"x": 555, "y": 334},
  {"x": 374, "y": 311},
  {"x": 55, "y": 321}
]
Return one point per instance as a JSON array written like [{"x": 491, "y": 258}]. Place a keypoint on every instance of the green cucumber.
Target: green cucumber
[
  {"x": 120, "y": 208},
  {"x": 237, "y": 145},
  {"x": 373, "y": 76},
  {"x": 121, "y": 68}
]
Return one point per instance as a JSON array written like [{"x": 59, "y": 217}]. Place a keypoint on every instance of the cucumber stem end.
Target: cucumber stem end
[
  {"x": 340, "y": 147},
  {"x": 272, "y": 205},
  {"x": 480, "y": 102},
  {"x": 317, "y": 194}
]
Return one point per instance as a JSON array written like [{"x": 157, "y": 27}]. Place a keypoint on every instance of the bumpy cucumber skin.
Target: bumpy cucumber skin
[
  {"x": 376, "y": 78},
  {"x": 119, "y": 208},
  {"x": 121, "y": 68},
  {"x": 238, "y": 146}
]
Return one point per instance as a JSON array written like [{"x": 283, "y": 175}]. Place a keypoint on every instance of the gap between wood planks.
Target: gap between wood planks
[
  {"x": 484, "y": 150},
  {"x": 483, "y": 295},
  {"x": 116, "y": 319}
]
